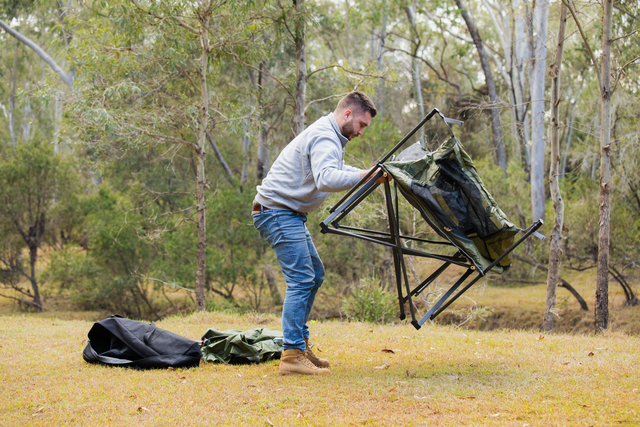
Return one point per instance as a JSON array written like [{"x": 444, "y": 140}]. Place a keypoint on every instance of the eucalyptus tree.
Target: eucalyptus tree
[
  {"x": 554, "y": 177},
  {"x": 149, "y": 75},
  {"x": 510, "y": 23},
  {"x": 32, "y": 37},
  {"x": 37, "y": 188},
  {"x": 498, "y": 143},
  {"x": 537, "y": 82},
  {"x": 623, "y": 54},
  {"x": 411, "y": 10}
]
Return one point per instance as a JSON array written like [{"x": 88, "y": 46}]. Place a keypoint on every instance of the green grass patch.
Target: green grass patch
[{"x": 438, "y": 375}]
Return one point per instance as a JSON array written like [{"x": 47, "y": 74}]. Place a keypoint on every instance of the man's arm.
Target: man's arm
[
  {"x": 326, "y": 159},
  {"x": 346, "y": 167}
]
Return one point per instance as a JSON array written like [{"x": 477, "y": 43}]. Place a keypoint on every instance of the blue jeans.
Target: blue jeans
[{"x": 303, "y": 271}]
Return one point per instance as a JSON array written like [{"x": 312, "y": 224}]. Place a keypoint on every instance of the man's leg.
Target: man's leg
[
  {"x": 318, "y": 279},
  {"x": 318, "y": 269},
  {"x": 286, "y": 233}
]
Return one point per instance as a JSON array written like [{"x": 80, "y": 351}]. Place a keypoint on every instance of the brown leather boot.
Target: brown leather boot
[
  {"x": 293, "y": 361},
  {"x": 320, "y": 363}
]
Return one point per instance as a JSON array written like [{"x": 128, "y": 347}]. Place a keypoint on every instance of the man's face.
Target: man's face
[{"x": 354, "y": 123}]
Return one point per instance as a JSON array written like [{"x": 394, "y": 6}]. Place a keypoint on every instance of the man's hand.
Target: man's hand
[{"x": 382, "y": 179}]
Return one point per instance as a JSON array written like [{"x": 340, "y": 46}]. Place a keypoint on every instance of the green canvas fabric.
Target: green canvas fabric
[
  {"x": 234, "y": 346},
  {"x": 445, "y": 187}
]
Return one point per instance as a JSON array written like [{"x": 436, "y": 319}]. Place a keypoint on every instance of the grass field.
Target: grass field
[{"x": 435, "y": 376}]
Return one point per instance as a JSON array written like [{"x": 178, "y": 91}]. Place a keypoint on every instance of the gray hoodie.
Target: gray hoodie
[{"x": 308, "y": 169}]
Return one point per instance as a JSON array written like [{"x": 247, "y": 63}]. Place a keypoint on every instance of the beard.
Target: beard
[{"x": 348, "y": 131}]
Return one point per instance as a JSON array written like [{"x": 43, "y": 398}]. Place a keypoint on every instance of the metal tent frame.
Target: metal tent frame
[{"x": 394, "y": 239}]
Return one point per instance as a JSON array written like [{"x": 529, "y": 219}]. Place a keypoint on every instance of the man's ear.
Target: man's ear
[{"x": 347, "y": 114}]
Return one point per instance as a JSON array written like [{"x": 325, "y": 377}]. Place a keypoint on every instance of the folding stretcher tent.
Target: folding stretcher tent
[{"x": 446, "y": 189}]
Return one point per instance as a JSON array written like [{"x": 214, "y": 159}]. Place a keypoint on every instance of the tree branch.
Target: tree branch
[
  {"x": 67, "y": 78},
  {"x": 29, "y": 303},
  {"x": 626, "y": 35},
  {"x": 167, "y": 138},
  {"x": 161, "y": 18},
  {"x": 344, "y": 69},
  {"x": 324, "y": 99},
  {"x": 455, "y": 85},
  {"x": 586, "y": 42},
  {"x": 220, "y": 158},
  {"x": 563, "y": 283},
  {"x": 172, "y": 284},
  {"x": 631, "y": 298},
  {"x": 615, "y": 6},
  {"x": 621, "y": 72},
  {"x": 266, "y": 73}
]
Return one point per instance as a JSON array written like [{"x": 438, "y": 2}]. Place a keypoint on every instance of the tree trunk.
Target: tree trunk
[
  {"x": 415, "y": 67},
  {"x": 12, "y": 100},
  {"x": 602, "y": 281},
  {"x": 26, "y": 118},
  {"x": 263, "y": 148},
  {"x": 518, "y": 68},
  {"x": 33, "y": 239},
  {"x": 347, "y": 35},
  {"x": 246, "y": 149},
  {"x": 631, "y": 298},
  {"x": 541, "y": 17},
  {"x": 493, "y": 97},
  {"x": 554, "y": 176},
  {"x": 301, "y": 65},
  {"x": 565, "y": 154},
  {"x": 57, "y": 120},
  {"x": 33, "y": 252},
  {"x": 200, "y": 179},
  {"x": 383, "y": 36},
  {"x": 507, "y": 36}
]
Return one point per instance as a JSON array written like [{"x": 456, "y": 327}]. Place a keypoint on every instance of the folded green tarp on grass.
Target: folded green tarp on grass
[
  {"x": 234, "y": 346},
  {"x": 445, "y": 187}
]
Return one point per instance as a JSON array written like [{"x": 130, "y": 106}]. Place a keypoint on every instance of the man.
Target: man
[{"x": 301, "y": 178}]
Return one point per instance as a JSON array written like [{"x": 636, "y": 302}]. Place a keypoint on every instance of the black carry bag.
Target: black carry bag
[{"x": 118, "y": 341}]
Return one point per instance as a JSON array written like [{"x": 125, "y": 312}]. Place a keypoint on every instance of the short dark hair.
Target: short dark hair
[{"x": 357, "y": 100}]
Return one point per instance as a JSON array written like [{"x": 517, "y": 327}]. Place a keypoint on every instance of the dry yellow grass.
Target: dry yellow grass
[{"x": 436, "y": 376}]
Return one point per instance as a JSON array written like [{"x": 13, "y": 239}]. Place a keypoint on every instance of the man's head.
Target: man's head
[{"x": 354, "y": 113}]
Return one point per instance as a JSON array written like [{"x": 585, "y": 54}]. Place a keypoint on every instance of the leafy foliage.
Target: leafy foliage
[
  {"x": 119, "y": 224},
  {"x": 370, "y": 302}
]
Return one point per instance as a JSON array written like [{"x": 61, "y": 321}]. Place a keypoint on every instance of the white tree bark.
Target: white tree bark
[
  {"x": 518, "y": 73},
  {"x": 26, "y": 119},
  {"x": 67, "y": 78},
  {"x": 539, "y": 71},
  {"x": 12, "y": 99}
]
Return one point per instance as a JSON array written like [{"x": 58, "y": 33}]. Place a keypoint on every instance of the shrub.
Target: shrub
[{"x": 370, "y": 302}]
